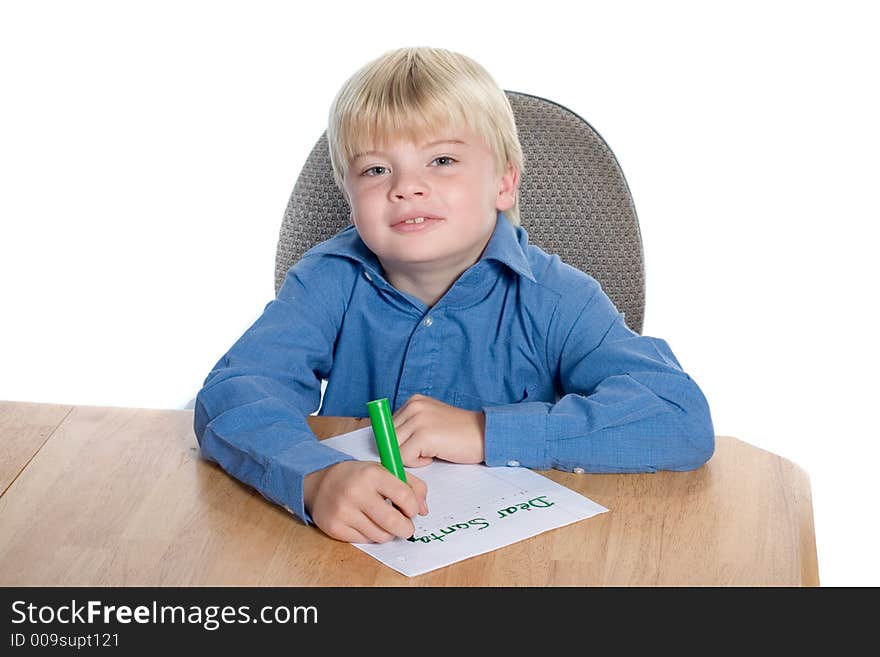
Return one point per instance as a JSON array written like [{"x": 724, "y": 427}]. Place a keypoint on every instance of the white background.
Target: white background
[{"x": 148, "y": 151}]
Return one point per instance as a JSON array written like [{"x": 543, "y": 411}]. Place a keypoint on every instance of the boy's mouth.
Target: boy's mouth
[{"x": 415, "y": 223}]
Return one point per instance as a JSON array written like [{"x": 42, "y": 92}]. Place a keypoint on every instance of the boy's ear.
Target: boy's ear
[{"x": 507, "y": 188}]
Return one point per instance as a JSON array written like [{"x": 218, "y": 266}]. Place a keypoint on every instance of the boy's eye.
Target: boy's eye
[{"x": 378, "y": 170}]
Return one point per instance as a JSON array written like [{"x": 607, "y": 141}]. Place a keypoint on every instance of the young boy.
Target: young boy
[{"x": 489, "y": 349}]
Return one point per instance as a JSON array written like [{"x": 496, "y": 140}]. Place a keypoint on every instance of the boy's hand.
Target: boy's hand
[
  {"x": 427, "y": 429},
  {"x": 347, "y": 501}
]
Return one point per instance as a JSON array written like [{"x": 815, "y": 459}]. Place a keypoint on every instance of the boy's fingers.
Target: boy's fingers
[
  {"x": 375, "y": 532},
  {"x": 389, "y": 520},
  {"x": 420, "y": 488},
  {"x": 409, "y": 452},
  {"x": 409, "y": 410},
  {"x": 348, "y": 530},
  {"x": 402, "y": 431},
  {"x": 412, "y": 453},
  {"x": 402, "y": 414},
  {"x": 354, "y": 536},
  {"x": 403, "y": 497}
]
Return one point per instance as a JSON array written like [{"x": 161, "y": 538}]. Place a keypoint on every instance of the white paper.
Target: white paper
[{"x": 474, "y": 509}]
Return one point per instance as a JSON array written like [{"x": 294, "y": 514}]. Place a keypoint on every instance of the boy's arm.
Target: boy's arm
[
  {"x": 627, "y": 404},
  {"x": 250, "y": 415}
]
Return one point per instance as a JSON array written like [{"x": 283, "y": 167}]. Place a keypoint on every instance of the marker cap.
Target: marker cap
[{"x": 386, "y": 438}]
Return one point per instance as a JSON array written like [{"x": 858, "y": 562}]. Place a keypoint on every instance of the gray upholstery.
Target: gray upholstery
[{"x": 574, "y": 201}]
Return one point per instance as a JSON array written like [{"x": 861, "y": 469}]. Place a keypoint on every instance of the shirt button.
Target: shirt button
[
  {"x": 578, "y": 471},
  {"x": 513, "y": 464},
  {"x": 367, "y": 275},
  {"x": 429, "y": 321}
]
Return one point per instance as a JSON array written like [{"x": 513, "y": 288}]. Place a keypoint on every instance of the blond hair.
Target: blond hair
[{"x": 411, "y": 92}]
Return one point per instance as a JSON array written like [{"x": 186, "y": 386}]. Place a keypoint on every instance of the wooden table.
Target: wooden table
[{"x": 95, "y": 496}]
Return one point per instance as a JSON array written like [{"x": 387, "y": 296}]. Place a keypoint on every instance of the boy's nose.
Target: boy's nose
[
  {"x": 405, "y": 195},
  {"x": 408, "y": 187}
]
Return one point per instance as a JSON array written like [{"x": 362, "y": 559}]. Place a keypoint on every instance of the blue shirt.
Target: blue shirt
[{"x": 532, "y": 342}]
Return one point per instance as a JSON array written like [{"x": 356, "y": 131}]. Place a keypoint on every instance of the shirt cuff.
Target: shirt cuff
[
  {"x": 286, "y": 473},
  {"x": 516, "y": 434}
]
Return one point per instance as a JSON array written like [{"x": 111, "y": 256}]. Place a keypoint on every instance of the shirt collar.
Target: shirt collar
[
  {"x": 348, "y": 244},
  {"x": 505, "y": 246}
]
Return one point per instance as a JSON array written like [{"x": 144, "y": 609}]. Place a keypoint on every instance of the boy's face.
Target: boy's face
[{"x": 430, "y": 205}]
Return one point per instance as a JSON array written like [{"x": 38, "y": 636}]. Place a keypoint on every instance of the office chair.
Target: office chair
[{"x": 574, "y": 202}]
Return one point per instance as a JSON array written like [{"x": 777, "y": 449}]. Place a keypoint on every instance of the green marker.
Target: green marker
[{"x": 386, "y": 438}]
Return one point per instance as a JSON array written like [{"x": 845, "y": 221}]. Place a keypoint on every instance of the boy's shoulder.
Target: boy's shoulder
[
  {"x": 346, "y": 244},
  {"x": 549, "y": 273},
  {"x": 345, "y": 252},
  {"x": 330, "y": 268}
]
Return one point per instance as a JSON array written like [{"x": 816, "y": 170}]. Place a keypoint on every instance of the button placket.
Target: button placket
[{"x": 420, "y": 360}]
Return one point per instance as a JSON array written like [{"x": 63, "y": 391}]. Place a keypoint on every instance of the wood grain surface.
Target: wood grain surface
[
  {"x": 118, "y": 496},
  {"x": 24, "y": 427}
]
